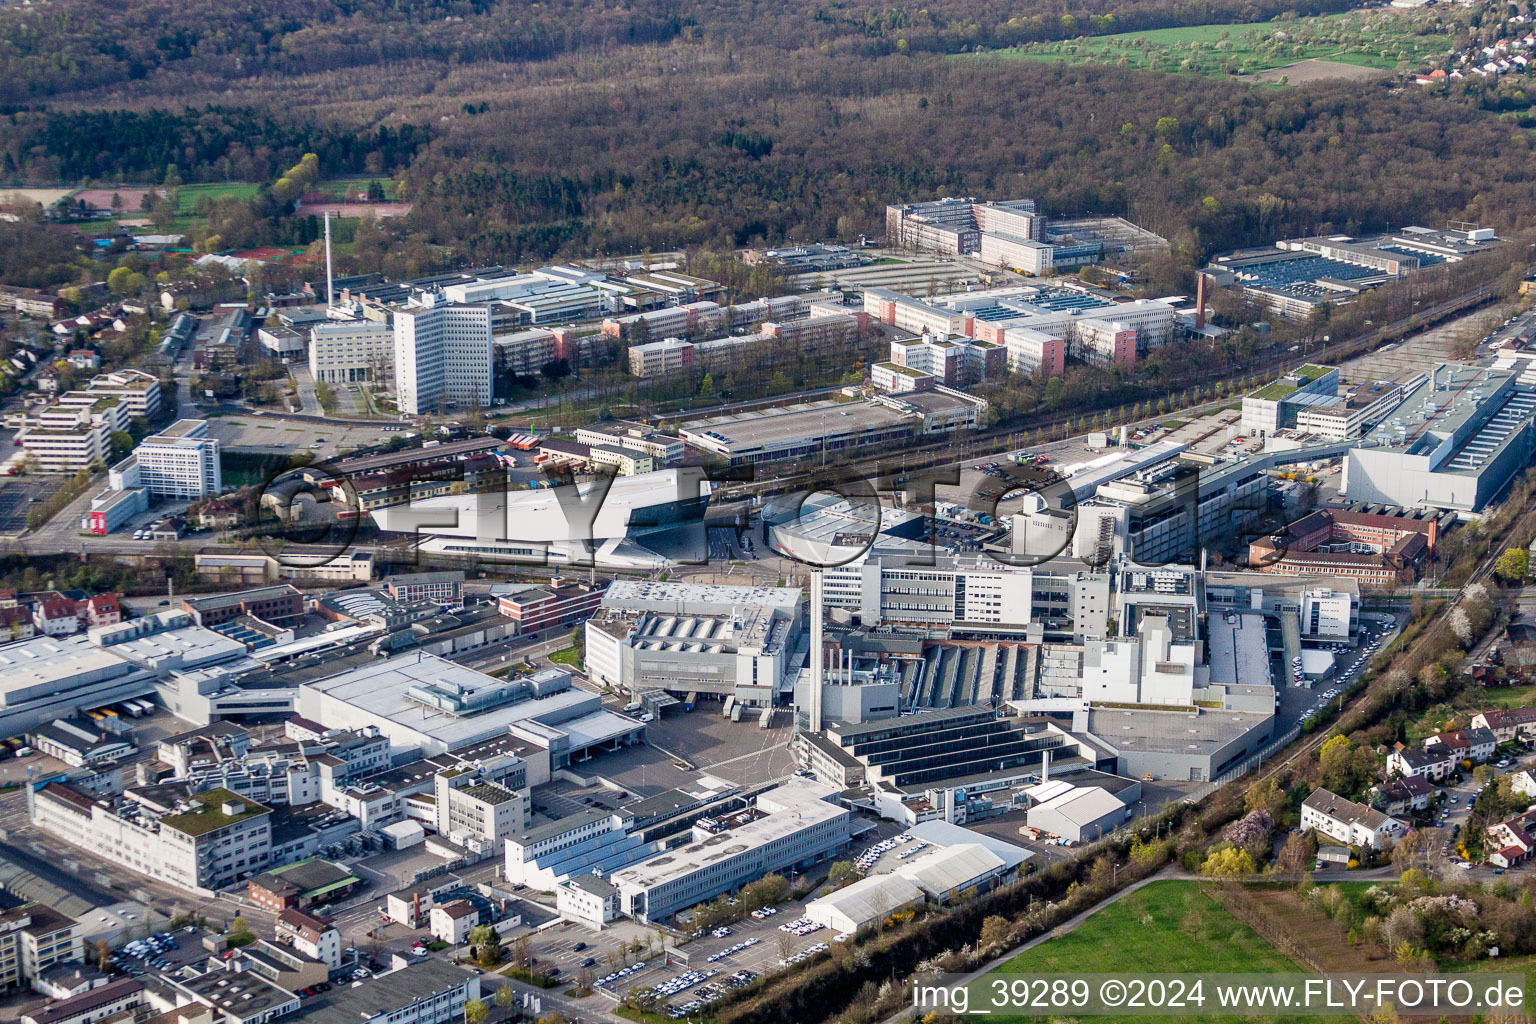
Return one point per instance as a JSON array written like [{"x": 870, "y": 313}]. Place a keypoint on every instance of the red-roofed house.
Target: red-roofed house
[
  {"x": 104, "y": 610},
  {"x": 56, "y": 616}
]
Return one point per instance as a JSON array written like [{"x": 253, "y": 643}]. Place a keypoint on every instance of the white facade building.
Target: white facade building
[
  {"x": 792, "y": 825},
  {"x": 352, "y": 351},
  {"x": 1350, "y": 823},
  {"x": 442, "y": 355},
  {"x": 180, "y": 462}
]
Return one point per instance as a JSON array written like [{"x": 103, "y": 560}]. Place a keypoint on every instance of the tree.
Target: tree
[
  {"x": 476, "y": 1011},
  {"x": 1297, "y": 854},
  {"x": 490, "y": 949},
  {"x": 102, "y": 952},
  {"x": 522, "y": 950},
  {"x": 505, "y": 996},
  {"x": 1513, "y": 565},
  {"x": 1266, "y": 797},
  {"x": 765, "y": 892},
  {"x": 994, "y": 931},
  {"x": 1230, "y": 862},
  {"x": 842, "y": 872},
  {"x": 707, "y": 386},
  {"x": 126, "y": 281}
]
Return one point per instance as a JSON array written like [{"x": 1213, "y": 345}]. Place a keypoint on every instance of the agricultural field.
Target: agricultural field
[
  {"x": 1163, "y": 928},
  {"x": 1363, "y": 39}
]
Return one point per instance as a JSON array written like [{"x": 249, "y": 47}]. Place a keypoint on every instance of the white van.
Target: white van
[
  {"x": 632, "y": 706},
  {"x": 647, "y": 717}
]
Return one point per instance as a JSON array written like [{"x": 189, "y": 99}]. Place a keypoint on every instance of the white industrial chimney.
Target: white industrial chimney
[
  {"x": 330, "y": 292},
  {"x": 813, "y": 711}
]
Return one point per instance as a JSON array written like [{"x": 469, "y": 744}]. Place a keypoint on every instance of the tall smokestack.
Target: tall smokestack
[
  {"x": 813, "y": 712},
  {"x": 330, "y": 292},
  {"x": 1199, "y": 302}
]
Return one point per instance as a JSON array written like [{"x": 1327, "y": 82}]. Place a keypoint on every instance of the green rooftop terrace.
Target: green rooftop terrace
[{"x": 210, "y": 816}]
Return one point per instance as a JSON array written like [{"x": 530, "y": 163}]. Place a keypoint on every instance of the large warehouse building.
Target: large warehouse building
[
  {"x": 791, "y": 826},
  {"x": 828, "y": 428},
  {"x": 1454, "y": 443},
  {"x": 425, "y": 702},
  {"x": 694, "y": 640}
]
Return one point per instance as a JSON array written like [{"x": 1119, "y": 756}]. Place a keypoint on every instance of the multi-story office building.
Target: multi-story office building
[
  {"x": 352, "y": 352},
  {"x": 442, "y": 355},
  {"x": 664, "y": 448},
  {"x": 138, "y": 391},
  {"x": 1035, "y": 353},
  {"x": 66, "y": 449},
  {"x": 475, "y": 813},
  {"x": 624, "y": 462},
  {"x": 954, "y": 362},
  {"x": 534, "y": 607},
  {"x": 181, "y": 461},
  {"x": 791, "y": 826},
  {"x": 34, "y": 938},
  {"x": 206, "y": 841},
  {"x": 970, "y": 595},
  {"x": 445, "y": 587},
  {"x": 523, "y": 351},
  {"x": 1276, "y": 405}
]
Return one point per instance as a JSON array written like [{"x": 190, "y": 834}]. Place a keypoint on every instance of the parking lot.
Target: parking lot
[
  {"x": 1349, "y": 663},
  {"x": 18, "y": 495},
  {"x": 252, "y": 432}
]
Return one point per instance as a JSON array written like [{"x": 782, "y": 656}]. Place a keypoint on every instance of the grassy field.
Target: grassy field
[
  {"x": 187, "y": 195},
  {"x": 1374, "y": 39},
  {"x": 1166, "y": 927}
]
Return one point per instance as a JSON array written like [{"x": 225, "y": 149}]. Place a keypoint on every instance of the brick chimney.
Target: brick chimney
[{"x": 1199, "y": 302}]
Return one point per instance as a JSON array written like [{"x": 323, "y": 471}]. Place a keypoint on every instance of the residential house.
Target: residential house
[
  {"x": 1512, "y": 840},
  {"x": 313, "y": 936},
  {"x": 1508, "y": 724},
  {"x": 1402, "y": 796},
  {"x": 1348, "y": 822},
  {"x": 1474, "y": 744},
  {"x": 1433, "y": 762},
  {"x": 452, "y": 922}
]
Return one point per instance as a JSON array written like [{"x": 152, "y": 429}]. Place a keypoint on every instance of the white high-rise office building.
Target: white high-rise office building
[
  {"x": 442, "y": 355},
  {"x": 181, "y": 461}
]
